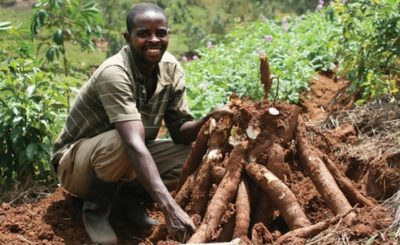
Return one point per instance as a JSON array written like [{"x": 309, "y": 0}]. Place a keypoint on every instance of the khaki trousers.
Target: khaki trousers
[{"x": 105, "y": 155}]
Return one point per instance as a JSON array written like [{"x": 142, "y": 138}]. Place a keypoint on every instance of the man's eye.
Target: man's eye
[
  {"x": 161, "y": 33},
  {"x": 143, "y": 34}
]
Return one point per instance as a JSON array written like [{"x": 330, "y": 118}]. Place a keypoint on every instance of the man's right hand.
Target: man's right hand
[
  {"x": 132, "y": 134},
  {"x": 178, "y": 221}
]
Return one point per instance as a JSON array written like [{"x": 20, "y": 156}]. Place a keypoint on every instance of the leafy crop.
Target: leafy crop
[
  {"x": 296, "y": 48},
  {"x": 370, "y": 46},
  {"x": 61, "y": 21},
  {"x": 32, "y": 108}
]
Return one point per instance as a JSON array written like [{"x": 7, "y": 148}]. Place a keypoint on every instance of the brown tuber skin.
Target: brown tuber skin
[
  {"x": 260, "y": 234},
  {"x": 265, "y": 75},
  {"x": 242, "y": 210},
  {"x": 223, "y": 195},
  {"x": 196, "y": 155},
  {"x": 280, "y": 194},
  {"x": 346, "y": 186},
  {"x": 183, "y": 196},
  {"x": 320, "y": 175},
  {"x": 227, "y": 224},
  {"x": 312, "y": 230},
  {"x": 203, "y": 182},
  {"x": 219, "y": 132}
]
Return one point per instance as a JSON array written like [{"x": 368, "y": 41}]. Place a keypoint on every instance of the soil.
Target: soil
[
  {"x": 18, "y": 4},
  {"x": 56, "y": 218}
]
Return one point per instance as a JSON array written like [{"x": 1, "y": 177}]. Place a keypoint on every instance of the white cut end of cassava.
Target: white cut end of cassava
[
  {"x": 213, "y": 125},
  {"x": 253, "y": 132},
  {"x": 273, "y": 111},
  {"x": 214, "y": 154},
  {"x": 234, "y": 140}
]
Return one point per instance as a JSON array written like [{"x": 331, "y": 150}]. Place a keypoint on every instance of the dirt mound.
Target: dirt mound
[
  {"x": 56, "y": 219},
  {"x": 326, "y": 96}
]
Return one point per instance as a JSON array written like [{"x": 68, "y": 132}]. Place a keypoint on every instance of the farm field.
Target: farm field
[{"x": 310, "y": 154}]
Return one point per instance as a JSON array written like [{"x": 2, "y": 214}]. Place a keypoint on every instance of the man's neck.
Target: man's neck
[{"x": 145, "y": 69}]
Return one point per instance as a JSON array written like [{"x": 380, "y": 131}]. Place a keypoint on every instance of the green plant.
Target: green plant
[
  {"x": 13, "y": 41},
  {"x": 61, "y": 21},
  {"x": 370, "y": 46},
  {"x": 296, "y": 48},
  {"x": 5, "y": 25},
  {"x": 32, "y": 109}
]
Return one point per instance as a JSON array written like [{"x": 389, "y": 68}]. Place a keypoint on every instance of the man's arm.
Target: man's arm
[
  {"x": 132, "y": 135},
  {"x": 188, "y": 131}
]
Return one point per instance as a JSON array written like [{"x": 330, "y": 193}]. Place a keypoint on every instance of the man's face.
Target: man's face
[{"x": 149, "y": 37}]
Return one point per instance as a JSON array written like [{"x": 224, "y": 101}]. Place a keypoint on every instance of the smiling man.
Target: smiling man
[{"x": 108, "y": 150}]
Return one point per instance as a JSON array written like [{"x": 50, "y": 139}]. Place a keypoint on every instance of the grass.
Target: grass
[{"x": 16, "y": 16}]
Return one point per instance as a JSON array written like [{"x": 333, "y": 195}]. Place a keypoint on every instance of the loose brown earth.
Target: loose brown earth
[{"x": 56, "y": 219}]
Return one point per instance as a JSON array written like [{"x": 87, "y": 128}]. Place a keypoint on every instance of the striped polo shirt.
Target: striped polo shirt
[{"x": 116, "y": 92}]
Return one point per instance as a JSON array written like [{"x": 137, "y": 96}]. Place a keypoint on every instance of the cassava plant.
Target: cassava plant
[{"x": 56, "y": 22}]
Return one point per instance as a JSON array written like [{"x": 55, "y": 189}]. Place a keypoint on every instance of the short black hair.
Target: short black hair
[{"x": 138, "y": 9}]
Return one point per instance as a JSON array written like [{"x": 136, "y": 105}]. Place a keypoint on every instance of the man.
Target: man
[{"x": 109, "y": 137}]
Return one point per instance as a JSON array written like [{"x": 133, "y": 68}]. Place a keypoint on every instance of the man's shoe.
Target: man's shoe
[
  {"x": 96, "y": 210},
  {"x": 133, "y": 198},
  {"x": 135, "y": 213}
]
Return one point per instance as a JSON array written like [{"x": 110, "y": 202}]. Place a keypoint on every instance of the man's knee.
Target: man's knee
[{"x": 110, "y": 160}]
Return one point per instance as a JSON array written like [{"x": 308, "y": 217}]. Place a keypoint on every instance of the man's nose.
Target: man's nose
[{"x": 154, "y": 38}]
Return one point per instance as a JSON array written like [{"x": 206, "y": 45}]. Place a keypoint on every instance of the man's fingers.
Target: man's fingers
[{"x": 217, "y": 114}]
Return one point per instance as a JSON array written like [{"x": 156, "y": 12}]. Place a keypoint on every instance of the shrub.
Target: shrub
[
  {"x": 32, "y": 110},
  {"x": 370, "y": 46}
]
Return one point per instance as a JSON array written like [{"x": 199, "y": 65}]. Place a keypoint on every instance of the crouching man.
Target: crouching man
[{"x": 107, "y": 148}]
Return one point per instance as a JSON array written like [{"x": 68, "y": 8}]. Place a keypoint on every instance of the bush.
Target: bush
[
  {"x": 32, "y": 110},
  {"x": 370, "y": 46}
]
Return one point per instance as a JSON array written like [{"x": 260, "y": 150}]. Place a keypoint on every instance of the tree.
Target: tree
[{"x": 56, "y": 22}]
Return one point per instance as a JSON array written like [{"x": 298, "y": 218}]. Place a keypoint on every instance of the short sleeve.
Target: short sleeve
[{"x": 116, "y": 93}]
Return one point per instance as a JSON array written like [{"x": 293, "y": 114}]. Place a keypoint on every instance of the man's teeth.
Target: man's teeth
[{"x": 150, "y": 50}]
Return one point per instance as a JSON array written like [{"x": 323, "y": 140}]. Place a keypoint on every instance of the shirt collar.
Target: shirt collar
[{"x": 135, "y": 70}]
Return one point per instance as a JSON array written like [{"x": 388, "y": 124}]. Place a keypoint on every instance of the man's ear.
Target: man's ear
[
  {"x": 127, "y": 37},
  {"x": 169, "y": 31}
]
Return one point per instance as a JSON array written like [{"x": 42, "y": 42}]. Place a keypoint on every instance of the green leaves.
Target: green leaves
[
  {"x": 232, "y": 66},
  {"x": 30, "y": 116},
  {"x": 58, "y": 21},
  {"x": 370, "y": 45},
  {"x": 361, "y": 37},
  {"x": 58, "y": 37},
  {"x": 5, "y": 25}
]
